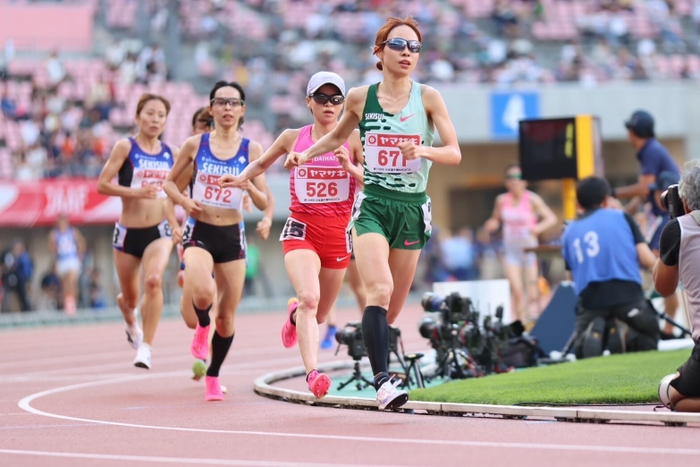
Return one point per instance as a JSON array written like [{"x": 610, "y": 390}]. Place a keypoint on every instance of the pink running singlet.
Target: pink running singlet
[
  {"x": 320, "y": 187},
  {"x": 517, "y": 220}
]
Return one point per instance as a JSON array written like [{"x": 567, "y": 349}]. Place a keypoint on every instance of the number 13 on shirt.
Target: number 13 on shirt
[{"x": 590, "y": 246}]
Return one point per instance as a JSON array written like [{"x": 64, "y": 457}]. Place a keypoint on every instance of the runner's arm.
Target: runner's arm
[
  {"x": 282, "y": 145},
  {"x": 258, "y": 188},
  {"x": 181, "y": 171},
  {"x": 356, "y": 171},
  {"x": 449, "y": 153},
  {"x": 264, "y": 225},
  {"x": 549, "y": 219},
  {"x": 494, "y": 222},
  {"x": 52, "y": 243},
  {"x": 80, "y": 241}
]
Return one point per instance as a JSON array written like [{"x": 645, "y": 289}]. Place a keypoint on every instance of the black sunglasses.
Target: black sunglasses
[
  {"x": 323, "y": 99},
  {"x": 399, "y": 44},
  {"x": 222, "y": 101}
]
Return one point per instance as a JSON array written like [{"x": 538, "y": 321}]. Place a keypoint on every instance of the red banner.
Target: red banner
[{"x": 28, "y": 204}]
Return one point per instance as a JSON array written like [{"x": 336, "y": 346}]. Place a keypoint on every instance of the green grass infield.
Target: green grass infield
[{"x": 617, "y": 379}]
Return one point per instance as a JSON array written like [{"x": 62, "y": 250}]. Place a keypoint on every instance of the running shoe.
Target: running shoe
[
  {"x": 289, "y": 331},
  {"x": 327, "y": 342},
  {"x": 389, "y": 397},
  {"x": 319, "y": 383},
  {"x": 134, "y": 335},
  {"x": 199, "y": 369},
  {"x": 214, "y": 392},
  {"x": 200, "y": 342},
  {"x": 143, "y": 357}
]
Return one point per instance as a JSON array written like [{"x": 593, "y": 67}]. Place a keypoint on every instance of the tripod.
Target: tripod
[
  {"x": 455, "y": 362},
  {"x": 663, "y": 315},
  {"x": 360, "y": 381}
]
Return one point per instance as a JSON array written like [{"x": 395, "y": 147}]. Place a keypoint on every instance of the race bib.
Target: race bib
[
  {"x": 145, "y": 177},
  {"x": 208, "y": 192},
  {"x": 321, "y": 184},
  {"x": 382, "y": 154}
]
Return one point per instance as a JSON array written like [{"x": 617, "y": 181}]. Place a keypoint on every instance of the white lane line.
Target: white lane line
[
  {"x": 180, "y": 460},
  {"x": 163, "y": 349},
  {"x": 25, "y": 404}
]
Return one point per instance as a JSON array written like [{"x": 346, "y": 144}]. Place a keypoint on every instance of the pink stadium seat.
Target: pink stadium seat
[{"x": 69, "y": 25}]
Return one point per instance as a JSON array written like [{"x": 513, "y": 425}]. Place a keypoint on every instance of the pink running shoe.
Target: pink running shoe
[
  {"x": 200, "y": 342},
  {"x": 319, "y": 383},
  {"x": 214, "y": 392},
  {"x": 289, "y": 331}
]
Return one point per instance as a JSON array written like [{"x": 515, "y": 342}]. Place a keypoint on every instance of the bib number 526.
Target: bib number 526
[{"x": 321, "y": 189}]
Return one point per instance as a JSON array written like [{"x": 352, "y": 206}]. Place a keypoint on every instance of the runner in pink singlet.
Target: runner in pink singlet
[
  {"x": 517, "y": 212},
  {"x": 315, "y": 241}
]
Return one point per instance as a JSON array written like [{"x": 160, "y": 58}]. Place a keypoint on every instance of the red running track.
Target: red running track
[{"x": 69, "y": 396}]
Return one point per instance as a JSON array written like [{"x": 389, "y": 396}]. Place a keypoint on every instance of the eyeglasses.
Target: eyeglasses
[
  {"x": 399, "y": 44},
  {"x": 222, "y": 101},
  {"x": 514, "y": 177},
  {"x": 323, "y": 99}
]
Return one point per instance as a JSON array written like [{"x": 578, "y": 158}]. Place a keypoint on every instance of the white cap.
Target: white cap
[{"x": 325, "y": 77}]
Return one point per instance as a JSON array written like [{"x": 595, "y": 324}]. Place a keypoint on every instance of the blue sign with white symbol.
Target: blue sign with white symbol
[{"x": 508, "y": 108}]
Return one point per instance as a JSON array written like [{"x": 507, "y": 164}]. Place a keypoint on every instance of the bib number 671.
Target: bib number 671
[{"x": 390, "y": 158}]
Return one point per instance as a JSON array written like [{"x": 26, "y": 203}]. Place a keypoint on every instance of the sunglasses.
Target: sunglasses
[
  {"x": 323, "y": 99},
  {"x": 222, "y": 101},
  {"x": 399, "y": 44},
  {"x": 514, "y": 177}
]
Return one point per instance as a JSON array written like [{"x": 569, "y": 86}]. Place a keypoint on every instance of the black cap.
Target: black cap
[
  {"x": 664, "y": 180},
  {"x": 641, "y": 123}
]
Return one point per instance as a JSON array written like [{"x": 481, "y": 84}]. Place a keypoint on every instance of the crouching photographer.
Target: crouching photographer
[
  {"x": 679, "y": 258},
  {"x": 603, "y": 249}
]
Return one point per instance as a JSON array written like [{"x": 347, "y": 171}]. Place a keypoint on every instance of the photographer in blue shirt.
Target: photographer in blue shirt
[{"x": 603, "y": 249}]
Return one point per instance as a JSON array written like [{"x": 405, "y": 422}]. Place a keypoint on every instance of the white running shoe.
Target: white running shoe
[
  {"x": 388, "y": 397},
  {"x": 143, "y": 357},
  {"x": 134, "y": 335}
]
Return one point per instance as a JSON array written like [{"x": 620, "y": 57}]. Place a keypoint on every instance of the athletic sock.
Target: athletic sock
[
  {"x": 375, "y": 334},
  {"x": 202, "y": 315},
  {"x": 219, "y": 350}
]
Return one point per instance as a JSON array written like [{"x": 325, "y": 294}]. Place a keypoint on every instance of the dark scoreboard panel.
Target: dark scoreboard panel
[{"x": 548, "y": 148}]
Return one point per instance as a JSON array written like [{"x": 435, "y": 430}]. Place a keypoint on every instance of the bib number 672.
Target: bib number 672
[{"x": 212, "y": 192}]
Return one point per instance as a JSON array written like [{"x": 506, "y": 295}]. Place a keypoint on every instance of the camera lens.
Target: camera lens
[{"x": 432, "y": 302}]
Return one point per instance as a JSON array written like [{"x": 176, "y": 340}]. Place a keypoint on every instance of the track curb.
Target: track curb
[{"x": 264, "y": 386}]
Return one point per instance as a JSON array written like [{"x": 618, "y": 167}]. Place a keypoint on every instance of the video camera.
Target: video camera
[
  {"x": 671, "y": 199},
  {"x": 465, "y": 348},
  {"x": 351, "y": 335},
  {"x": 453, "y": 309}
]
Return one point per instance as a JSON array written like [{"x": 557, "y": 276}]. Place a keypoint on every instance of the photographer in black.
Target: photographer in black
[
  {"x": 603, "y": 249},
  {"x": 680, "y": 259}
]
